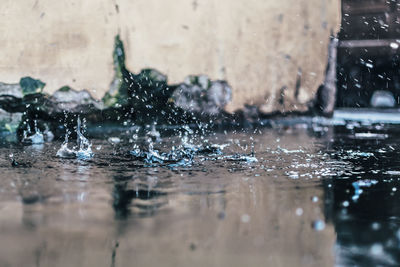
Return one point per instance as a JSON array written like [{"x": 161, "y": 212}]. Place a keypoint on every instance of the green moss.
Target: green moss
[
  {"x": 202, "y": 81},
  {"x": 31, "y": 86},
  {"x": 118, "y": 93},
  {"x": 118, "y": 55},
  {"x": 9, "y": 121},
  {"x": 152, "y": 76},
  {"x": 65, "y": 89},
  {"x": 11, "y": 127}
]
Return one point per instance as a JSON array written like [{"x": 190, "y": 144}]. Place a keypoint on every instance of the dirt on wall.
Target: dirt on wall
[{"x": 272, "y": 53}]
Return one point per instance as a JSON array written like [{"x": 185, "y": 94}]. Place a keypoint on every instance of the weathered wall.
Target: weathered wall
[{"x": 262, "y": 48}]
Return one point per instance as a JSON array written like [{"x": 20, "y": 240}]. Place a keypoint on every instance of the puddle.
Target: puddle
[{"x": 305, "y": 194}]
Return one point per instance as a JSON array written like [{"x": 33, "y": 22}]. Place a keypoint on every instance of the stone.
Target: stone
[
  {"x": 200, "y": 95},
  {"x": 72, "y": 100},
  {"x": 31, "y": 86},
  {"x": 9, "y": 121},
  {"x": 149, "y": 84},
  {"x": 383, "y": 99},
  {"x": 14, "y": 90},
  {"x": 12, "y": 104}
]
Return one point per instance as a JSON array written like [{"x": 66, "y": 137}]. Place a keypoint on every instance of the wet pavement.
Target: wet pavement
[{"x": 321, "y": 193}]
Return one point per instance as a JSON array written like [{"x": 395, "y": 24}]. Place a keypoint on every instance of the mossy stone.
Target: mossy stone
[{"x": 31, "y": 86}]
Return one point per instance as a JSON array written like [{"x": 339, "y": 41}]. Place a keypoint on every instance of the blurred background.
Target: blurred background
[{"x": 368, "y": 54}]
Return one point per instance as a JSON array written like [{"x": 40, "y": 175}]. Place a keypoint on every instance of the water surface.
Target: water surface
[{"x": 318, "y": 195}]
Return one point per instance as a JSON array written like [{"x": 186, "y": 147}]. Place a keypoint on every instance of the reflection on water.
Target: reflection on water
[
  {"x": 142, "y": 198},
  {"x": 363, "y": 201},
  {"x": 316, "y": 196}
]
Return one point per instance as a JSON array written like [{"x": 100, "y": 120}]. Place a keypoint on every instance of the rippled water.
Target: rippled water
[{"x": 316, "y": 195}]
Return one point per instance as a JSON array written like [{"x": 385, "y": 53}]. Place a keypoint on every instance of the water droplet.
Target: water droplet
[
  {"x": 394, "y": 45},
  {"x": 114, "y": 140},
  {"x": 375, "y": 226},
  {"x": 299, "y": 211},
  {"x": 245, "y": 218},
  {"x": 318, "y": 225},
  {"x": 376, "y": 249},
  {"x": 84, "y": 150}
]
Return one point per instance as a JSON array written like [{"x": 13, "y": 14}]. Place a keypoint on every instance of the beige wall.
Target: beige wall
[{"x": 259, "y": 47}]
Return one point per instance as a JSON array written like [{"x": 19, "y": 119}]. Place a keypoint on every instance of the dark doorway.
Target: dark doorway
[{"x": 368, "y": 54}]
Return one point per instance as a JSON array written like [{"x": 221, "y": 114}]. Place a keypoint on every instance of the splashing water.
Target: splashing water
[
  {"x": 34, "y": 139},
  {"x": 84, "y": 149},
  {"x": 64, "y": 151},
  {"x": 182, "y": 155},
  {"x": 246, "y": 158},
  {"x": 361, "y": 183},
  {"x": 186, "y": 152}
]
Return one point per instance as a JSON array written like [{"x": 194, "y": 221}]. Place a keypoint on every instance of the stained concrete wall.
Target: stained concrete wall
[{"x": 264, "y": 49}]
